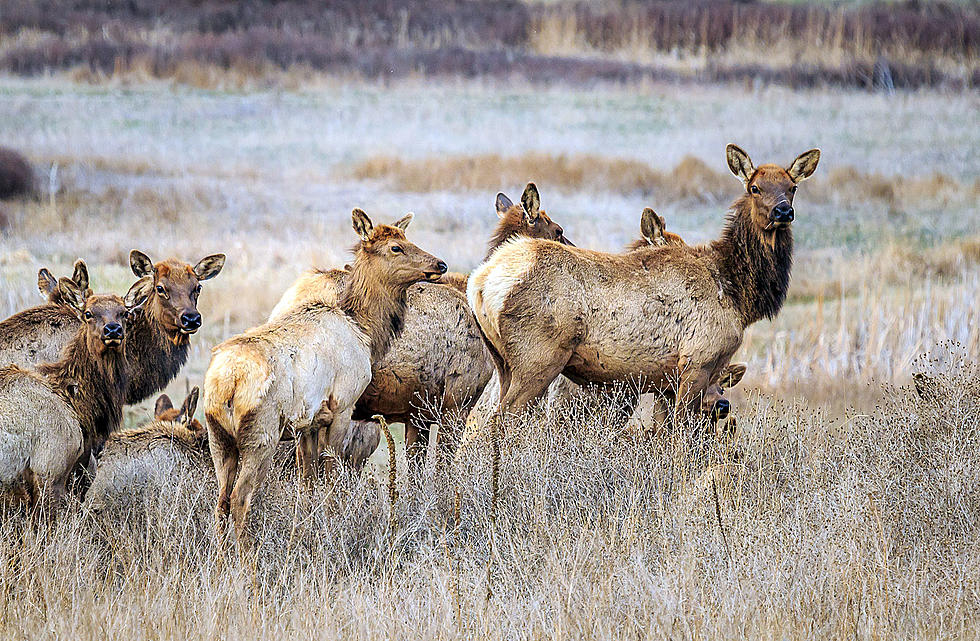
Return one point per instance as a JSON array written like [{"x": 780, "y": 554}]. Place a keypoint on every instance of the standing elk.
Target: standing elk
[
  {"x": 314, "y": 359},
  {"x": 660, "y": 317},
  {"x": 51, "y": 418},
  {"x": 38, "y": 334},
  {"x": 438, "y": 363}
]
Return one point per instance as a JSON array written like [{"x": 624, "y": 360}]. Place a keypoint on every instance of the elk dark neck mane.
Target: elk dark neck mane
[
  {"x": 377, "y": 309},
  {"x": 754, "y": 265},
  {"x": 509, "y": 226},
  {"x": 95, "y": 386},
  {"x": 155, "y": 356}
]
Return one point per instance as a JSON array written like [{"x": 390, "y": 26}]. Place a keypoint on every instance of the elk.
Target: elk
[
  {"x": 151, "y": 457},
  {"x": 38, "y": 334},
  {"x": 439, "y": 361},
  {"x": 283, "y": 375},
  {"x": 51, "y": 418},
  {"x": 159, "y": 334},
  {"x": 659, "y": 317}
]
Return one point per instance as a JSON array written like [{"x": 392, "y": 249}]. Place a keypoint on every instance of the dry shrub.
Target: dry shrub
[
  {"x": 810, "y": 527},
  {"x": 16, "y": 175},
  {"x": 691, "y": 180}
]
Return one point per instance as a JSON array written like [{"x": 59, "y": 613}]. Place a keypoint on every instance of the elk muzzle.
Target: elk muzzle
[
  {"x": 782, "y": 214},
  {"x": 720, "y": 410},
  {"x": 112, "y": 334},
  {"x": 433, "y": 276},
  {"x": 189, "y": 322}
]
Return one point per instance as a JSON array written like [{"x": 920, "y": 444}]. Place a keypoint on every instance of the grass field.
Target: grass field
[{"x": 845, "y": 507}]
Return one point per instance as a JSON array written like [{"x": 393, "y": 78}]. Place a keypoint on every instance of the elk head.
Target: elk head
[
  {"x": 769, "y": 189},
  {"x": 653, "y": 229},
  {"x": 175, "y": 288},
  {"x": 164, "y": 411},
  {"x": 392, "y": 259},
  {"x": 105, "y": 317},
  {"x": 714, "y": 406},
  {"x": 526, "y": 219}
]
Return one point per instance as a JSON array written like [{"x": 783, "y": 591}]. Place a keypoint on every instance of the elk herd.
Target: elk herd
[{"x": 393, "y": 334}]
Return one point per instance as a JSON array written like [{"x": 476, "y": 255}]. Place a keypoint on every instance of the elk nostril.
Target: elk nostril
[
  {"x": 190, "y": 320},
  {"x": 441, "y": 266},
  {"x": 722, "y": 408},
  {"x": 112, "y": 330}
]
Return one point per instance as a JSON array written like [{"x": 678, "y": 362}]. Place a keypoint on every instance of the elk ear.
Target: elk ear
[
  {"x": 209, "y": 266},
  {"x": 140, "y": 263},
  {"x": 402, "y": 223},
  {"x": 740, "y": 163},
  {"x": 80, "y": 275},
  {"x": 71, "y": 294},
  {"x": 804, "y": 165},
  {"x": 503, "y": 203},
  {"x": 652, "y": 227},
  {"x": 162, "y": 405},
  {"x": 189, "y": 407},
  {"x": 362, "y": 224},
  {"x": 531, "y": 201},
  {"x": 732, "y": 375},
  {"x": 138, "y": 293},
  {"x": 46, "y": 283}
]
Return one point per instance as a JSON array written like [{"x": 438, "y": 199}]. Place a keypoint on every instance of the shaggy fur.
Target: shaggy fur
[
  {"x": 302, "y": 372},
  {"x": 663, "y": 318}
]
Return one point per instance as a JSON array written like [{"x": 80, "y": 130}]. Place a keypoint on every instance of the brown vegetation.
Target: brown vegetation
[
  {"x": 691, "y": 180},
  {"x": 873, "y": 46}
]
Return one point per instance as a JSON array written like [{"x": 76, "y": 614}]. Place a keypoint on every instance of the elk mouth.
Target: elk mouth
[
  {"x": 186, "y": 331},
  {"x": 112, "y": 342},
  {"x": 433, "y": 277}
]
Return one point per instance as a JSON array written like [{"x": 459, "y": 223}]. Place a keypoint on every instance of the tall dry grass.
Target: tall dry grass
[{"x": 805, "y": 525}]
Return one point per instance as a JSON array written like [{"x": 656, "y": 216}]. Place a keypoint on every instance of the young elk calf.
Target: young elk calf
[
  {"x": 439, "y": 360},
  {"x": 668, "y": 317},
  {"x": 51, "y": 418},
  {"x": 314, "y": 360},
  {"x": 38, "y": 334},
  {"x": 152, "y": 458}
]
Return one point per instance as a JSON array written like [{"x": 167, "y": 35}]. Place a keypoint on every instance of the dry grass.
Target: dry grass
[
  {"x": 862, "y": 527},
  {"x": 691, "y": 179},
  {"x": 851, "y": 514}
]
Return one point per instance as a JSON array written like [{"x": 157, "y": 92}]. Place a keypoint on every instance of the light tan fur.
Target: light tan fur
[
  {"x": 304, "y": 371},
  {"x": 659, "y": 318}
]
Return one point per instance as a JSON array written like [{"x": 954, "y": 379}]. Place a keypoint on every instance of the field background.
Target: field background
[{"x": 851, "y": 509}]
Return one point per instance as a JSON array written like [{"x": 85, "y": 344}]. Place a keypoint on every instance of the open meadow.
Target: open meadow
[{"x": 846, "y": 505}]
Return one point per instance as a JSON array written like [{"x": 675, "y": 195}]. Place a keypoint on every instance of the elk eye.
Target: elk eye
[
  {"x": 792, "y": 189},
  {"x": 755, "y": 189},
  {"x": 197, "y": 290},
  {"x": 396, "y": 249},
  {"x": 161, "y": 290},
  {"x": 88, "y": 315}
]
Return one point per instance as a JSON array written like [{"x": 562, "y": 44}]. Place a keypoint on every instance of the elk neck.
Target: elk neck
[
  {"x": 377, "y": 307},
  {"x": 754, "y": 265}
]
